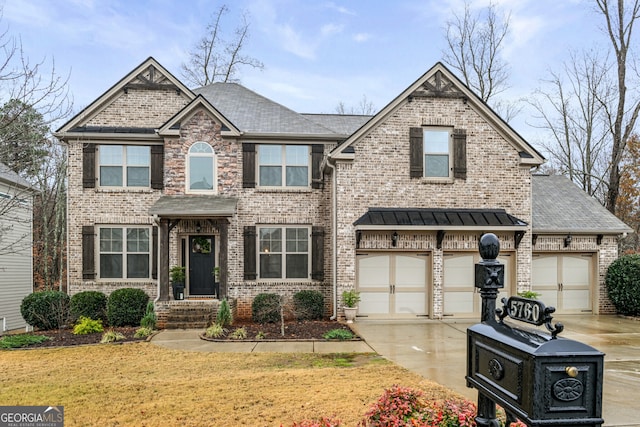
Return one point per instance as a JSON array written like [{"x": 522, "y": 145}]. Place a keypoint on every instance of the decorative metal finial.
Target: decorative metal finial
[{"x": 489, "y": 246}]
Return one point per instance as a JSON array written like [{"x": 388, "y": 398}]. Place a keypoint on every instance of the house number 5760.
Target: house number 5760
[{"x": 525, "y": 310}]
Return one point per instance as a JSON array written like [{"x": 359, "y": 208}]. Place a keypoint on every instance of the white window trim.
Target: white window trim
[
  {"x": 124, "y": 254},
  {"x": 283, "y": 165},
  {"x": 124, "y": 166},
  {"x": 449, "y": 130},
  {"x": 213, "y": 155},
  {"x": 284, "y": 253}
]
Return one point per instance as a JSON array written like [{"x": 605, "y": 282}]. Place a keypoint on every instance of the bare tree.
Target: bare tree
[
  {"x": 474, "y": 48},
  {"x": 213, "y": 59},
  {"x": 622, "y": 111},
  {"x": 365, "y": 107},
  {"x": 33, "y": 96},
  {"x": 570, "y": 107}
]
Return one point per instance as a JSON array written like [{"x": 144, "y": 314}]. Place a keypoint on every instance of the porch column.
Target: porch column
[
  {"x": 163, "y": 260},
  {"x": 224, "y": 236}
]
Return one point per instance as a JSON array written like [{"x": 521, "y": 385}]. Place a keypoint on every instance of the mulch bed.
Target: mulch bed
[
  {"x": 294, "y": 330},
  {"x": 65, "y": 337}
]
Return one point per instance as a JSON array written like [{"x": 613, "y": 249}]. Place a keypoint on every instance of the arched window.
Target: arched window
[{"x": 201, "y": 169}]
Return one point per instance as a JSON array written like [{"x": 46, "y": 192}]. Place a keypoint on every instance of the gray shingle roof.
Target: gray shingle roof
[
  {"x": 561, "y": 206},
  {"x": 253, "y": 113},
  {"x": 344, "y": 124},
  {"x": 10, "y": 177}
]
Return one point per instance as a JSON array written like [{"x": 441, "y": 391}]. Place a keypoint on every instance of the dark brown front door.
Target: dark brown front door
[{"x": 201, "y": 264}]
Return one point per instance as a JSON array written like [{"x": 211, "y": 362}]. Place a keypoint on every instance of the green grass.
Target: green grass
[
  {"x": 22, "y": 340},
  {"x": 338, "y": 334}
]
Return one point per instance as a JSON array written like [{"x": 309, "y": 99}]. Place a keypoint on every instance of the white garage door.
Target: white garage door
[
  {"x": 564, "y": 281},
  {"x": 460, "y": 296},
  {"x": 393, "y": 285}
]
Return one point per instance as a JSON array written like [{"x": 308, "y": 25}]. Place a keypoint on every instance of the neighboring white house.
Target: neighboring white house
[{"x": 16, "y": 241}]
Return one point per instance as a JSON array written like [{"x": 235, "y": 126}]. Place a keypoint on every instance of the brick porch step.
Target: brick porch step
[{"x": 186, "y": 314}]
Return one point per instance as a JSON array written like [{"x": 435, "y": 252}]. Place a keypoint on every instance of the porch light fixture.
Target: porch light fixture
[
  {"x": 198, "y": 227},
  {"x": 567, "y": 240},
  {"x": 394, "y": 239}
]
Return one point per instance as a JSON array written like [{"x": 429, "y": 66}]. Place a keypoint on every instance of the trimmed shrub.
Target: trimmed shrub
[
  {"x": 87, "y": 326},
  {"x": 126, "y": 307},
  {"x": 308, "y": 305},
  {"x": 224, "y": 317},
  {"x": 91, "y": 304},
  {"x": 46, "y": 309},
  {"x": 266, "y": 308},
  {"x": 149, "y": 319},
  {"x": 623, "y": 284}
]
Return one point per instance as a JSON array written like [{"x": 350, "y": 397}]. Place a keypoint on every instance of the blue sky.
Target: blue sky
[{"x": 316, "y": 53}]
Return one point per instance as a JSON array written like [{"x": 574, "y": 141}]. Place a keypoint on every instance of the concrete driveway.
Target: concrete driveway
[{"x": 437, "y": 351}]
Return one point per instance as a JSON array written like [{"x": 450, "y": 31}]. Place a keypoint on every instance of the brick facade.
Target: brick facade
[{"x": 378, "y": 175}]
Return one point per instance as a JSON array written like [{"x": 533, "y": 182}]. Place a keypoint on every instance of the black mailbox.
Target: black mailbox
[
  {"x": 537, "y": 377},
  {"x": 540, "y": 379}
]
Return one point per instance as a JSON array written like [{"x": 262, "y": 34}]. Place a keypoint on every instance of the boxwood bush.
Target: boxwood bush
[
  {"x": 266, "y": 308},
  {"x": 308, "y": 305},
  {"x": 46, "y": 309},
  {"x": 91, "y": 304},
  {"x": 623, "y": 284},
  {"x": 126, "y": 307}
]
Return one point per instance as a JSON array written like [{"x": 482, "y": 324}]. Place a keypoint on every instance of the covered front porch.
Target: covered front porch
[{"x": 193, "y": 233}]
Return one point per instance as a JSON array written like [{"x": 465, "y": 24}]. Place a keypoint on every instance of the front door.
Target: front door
[{"x": 201, "y": 265}]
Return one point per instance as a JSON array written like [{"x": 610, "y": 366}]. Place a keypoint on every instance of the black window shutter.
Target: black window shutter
[
  {"x": 88, "y": 249},
  {"x": 317, "y": 152},
  {"x": 157, "y": 167},
  {"x": 317, "y": 253},
  {"x": 250, "y": 253},
  {"x": 248, "y": 165},
  {"x": 460, "y": 153},
  {"x": 154, "y": 252},
  {"x": 89, "y": 166},
  {"x": 416, "y": 151}
]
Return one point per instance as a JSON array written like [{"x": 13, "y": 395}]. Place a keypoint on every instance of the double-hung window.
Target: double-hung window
[
  {"x": 437, "y": 153},
  {"x": 202, "y": 178},
  {"x": 124, "y": 165},
  {"x": 284, "y": 252},
  {"x": 124, "y": 252},
  {"x": 283, "y": 165}
]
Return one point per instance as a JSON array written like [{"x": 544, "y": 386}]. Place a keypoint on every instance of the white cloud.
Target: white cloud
[
  {"x": 293, "y": 42},
  {"x": 331, "y": 29},
  {"x": 361, "y": 37},
  {"x": 341, "y": 9}
]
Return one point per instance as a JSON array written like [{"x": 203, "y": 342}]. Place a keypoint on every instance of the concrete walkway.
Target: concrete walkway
[
  {"x": 189, "y": 340},
  {"x": 437, "y": 350}
]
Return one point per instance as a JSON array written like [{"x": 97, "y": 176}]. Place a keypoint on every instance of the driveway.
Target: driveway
[{"x": 437, "y": 351}]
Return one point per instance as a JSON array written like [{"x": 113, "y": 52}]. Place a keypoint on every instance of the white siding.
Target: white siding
[{"x": 16, "y": 267}]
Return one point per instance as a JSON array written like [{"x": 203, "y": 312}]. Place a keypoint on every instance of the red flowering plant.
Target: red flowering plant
[{"x": 322, "y": 422}]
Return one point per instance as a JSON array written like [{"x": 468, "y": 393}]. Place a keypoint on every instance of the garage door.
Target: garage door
[
  {"x": 564, "y": 281},
  {"x": 393, "y": 285},
  {"x": 460, "y": 297}
]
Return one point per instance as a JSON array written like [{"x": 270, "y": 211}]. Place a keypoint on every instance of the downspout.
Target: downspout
[
  {"x": 157, "y": 224},
  {"x": 334, "y": 237}
]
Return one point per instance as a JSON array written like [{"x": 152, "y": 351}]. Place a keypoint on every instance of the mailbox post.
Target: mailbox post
[{"x": 538, "y": 378}]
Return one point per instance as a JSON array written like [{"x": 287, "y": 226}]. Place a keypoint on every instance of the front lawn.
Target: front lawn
[{"x": 144, "y": 385}]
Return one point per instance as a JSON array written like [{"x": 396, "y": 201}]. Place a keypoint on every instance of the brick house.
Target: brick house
[{"x": 250, "y": 196}]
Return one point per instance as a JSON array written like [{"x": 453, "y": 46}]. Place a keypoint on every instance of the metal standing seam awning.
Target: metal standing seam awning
[{"x": 441, "y": 220}]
